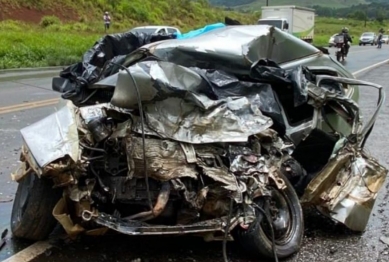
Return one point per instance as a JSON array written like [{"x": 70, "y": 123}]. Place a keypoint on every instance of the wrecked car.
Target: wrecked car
[{"x": 225, "y": 135}]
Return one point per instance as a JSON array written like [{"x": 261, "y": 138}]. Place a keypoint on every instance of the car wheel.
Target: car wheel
[
  {"x": 287, "y": 222},
  {"x": 32, "y": 209},
  {"x": 360, "y": 44}
]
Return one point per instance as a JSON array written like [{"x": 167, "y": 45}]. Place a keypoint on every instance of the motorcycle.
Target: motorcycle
[
  {"x": 174, "y": 150},
  {"x": 341, "y": 48}
]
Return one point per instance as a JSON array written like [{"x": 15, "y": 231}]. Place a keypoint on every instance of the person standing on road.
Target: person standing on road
[
  {"x": 379, "y": 38},
  {"x": 107, "y": 21}
]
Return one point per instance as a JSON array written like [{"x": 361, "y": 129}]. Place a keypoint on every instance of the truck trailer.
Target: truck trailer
[{"x": 298, "y": 21}]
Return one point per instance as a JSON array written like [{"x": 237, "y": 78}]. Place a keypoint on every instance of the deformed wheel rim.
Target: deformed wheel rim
[{"x": 281, "y": 216}]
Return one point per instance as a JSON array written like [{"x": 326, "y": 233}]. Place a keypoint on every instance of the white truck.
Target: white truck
[{"x": 298, "y": 21}]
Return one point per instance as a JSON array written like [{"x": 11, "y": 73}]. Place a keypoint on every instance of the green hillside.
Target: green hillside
[
  {"x": 185, "y": 14},
  {"x": 37, "y": 33},
  {"x": 256, "y": 4},
  {"x": 372, "y": 9}
]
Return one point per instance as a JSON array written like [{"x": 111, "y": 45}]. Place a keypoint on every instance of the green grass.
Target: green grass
[
  {"x": 257, "y": 4},
  {"x": 23, "y": 45},
  {"x": 58, "y": 43},
  {"x": 326, "y": 27},
  {"x": 26, "y": 46},
  {"x": 183, "y": 13}
]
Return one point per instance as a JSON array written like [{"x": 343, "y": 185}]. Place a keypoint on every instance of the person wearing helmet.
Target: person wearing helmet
[
  {"x": 107, "y": 21},
  {"x": 347, "y": 39}
]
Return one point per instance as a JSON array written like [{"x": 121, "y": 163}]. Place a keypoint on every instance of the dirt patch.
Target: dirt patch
[{"x": 33, "y": 15}]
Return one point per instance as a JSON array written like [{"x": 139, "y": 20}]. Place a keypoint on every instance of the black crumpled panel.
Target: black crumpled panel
[
  {"x": 113, "y": 48},
  {"x": 298, "y": 78},
  {"x": 224, "y": 85},
  {"x": 299, "y": 84},
  {"x": 230, "y": 21}
]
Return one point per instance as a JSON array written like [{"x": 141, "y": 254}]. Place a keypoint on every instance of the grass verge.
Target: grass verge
[{"x": 24, "y": 45}]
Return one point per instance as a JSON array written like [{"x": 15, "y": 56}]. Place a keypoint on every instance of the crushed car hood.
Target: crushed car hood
[
  {"x": 233, "y": 48},
  {"x": 207, "y": 102}
]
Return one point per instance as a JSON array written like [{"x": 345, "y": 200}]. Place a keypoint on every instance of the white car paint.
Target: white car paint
[{"x": 156, "y": 29}]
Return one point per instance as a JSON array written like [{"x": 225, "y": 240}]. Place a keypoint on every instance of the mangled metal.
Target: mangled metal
[
  {"x": 346, "y": 188},
  {"x": 243, "y": 46},
  {"x": 53, "y": 137},
  {"x": 167, "y": 160},
  {"x": 196, "y": 128},
  {"x": 201, "y": 119}
]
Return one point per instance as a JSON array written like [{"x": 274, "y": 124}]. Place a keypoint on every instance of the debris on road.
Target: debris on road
[
  {"x": 384, "y": 240},
  {"x": 2, "y": 238},
  {"x": 333, "y": 250},
  {"x": 6, "y": 200}
]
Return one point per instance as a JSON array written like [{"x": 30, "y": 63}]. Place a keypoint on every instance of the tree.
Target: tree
[
  {"x": 359, "y": 15},
  {"x": 380, "y": 17}
]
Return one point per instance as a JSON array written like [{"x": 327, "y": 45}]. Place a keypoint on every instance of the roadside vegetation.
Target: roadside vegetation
[
  {"x": 22, "y": 45},
  {"x": 326, "y": 27},
  {"x": 62, "y": 40},
  {"x": 251, "y": 4}
]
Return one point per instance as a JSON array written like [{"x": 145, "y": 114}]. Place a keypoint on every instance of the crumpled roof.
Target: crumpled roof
[
  {"x": 214, "y": 87},
  {"x": 233, "y": 48}
]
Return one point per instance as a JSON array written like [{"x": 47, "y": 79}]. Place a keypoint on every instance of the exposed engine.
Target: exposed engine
[{"x": 185, "y": 183}]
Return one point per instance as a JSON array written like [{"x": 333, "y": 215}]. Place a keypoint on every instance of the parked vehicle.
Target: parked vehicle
[
  {"x": 156, "y": 30},
  {"x": 368, "y": 38},
  {"x": 172, "y": 139},
  {"x": 385, "y": 39},
  {"x": 298, "y": 21}
]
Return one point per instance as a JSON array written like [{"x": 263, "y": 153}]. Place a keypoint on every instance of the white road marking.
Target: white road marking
[
  {"x": 40, "y": 247},
  {"x": 30, "y": 252},
  {"x": 363, "y": 70}
]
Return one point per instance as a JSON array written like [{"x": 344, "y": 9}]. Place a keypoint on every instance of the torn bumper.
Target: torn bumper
[
  {"x": 46, "y": 142},
  {"x": 347, "y": 187},
  {"x": 134, "y": 227},
  {"x": 53, "y": 137}
]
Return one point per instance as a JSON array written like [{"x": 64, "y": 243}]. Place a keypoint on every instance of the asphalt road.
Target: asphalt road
[{"x": 323, "y": 241}]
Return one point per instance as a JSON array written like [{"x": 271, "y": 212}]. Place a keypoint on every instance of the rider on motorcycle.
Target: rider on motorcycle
[{"x": 347, "y": 39}]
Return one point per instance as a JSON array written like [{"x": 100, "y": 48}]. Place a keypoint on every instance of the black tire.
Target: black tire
[
  {"x": 32, "y": 209},
  {"x": 338, "y": 55},
  {"x": 258, "y": 242}
]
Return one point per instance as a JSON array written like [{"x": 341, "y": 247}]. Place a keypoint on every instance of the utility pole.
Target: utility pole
[
  {"x": 365, "y": 16},
  {"x": 267, "y": 2}
]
